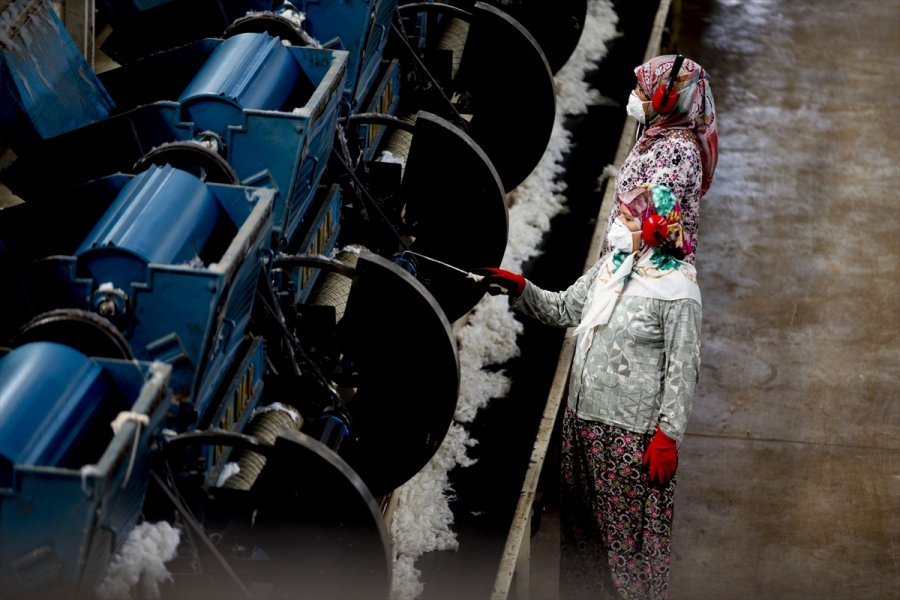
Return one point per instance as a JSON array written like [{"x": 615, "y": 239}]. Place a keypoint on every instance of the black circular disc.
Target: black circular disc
[
  {"x": 503, "y": 85},
  {"x": 557, "y": 31},
  {"x": 274, "y": 25},
  {"x": 87, "y": 332},
  {"x": 405, "y": 356},
  {"x": 319, "y": 525},
  {"x": 460, "y": 206},
  {"x": 307, "y": 528},
  {"x": 454, "y": 207},
  {"x": 198, "y": 160}
]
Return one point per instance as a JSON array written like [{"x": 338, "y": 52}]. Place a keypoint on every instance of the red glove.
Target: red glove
[
  {"x": 661, "y": 456},
  {"x": 499, "y": 281}
]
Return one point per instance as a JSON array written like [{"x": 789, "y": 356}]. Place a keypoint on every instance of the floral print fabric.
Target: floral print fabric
[
  {"x": 673, "y": 161},
  {"x": 615, "y": 523},
  {"x": 694, "y": 112}
]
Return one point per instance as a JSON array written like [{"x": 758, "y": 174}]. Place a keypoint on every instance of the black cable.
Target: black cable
[
  {"x": 196, "y": 529},
  {"x": 423, "y": 71},
  {"x": 295, "y": 348},
  {"x": 278, "y": 317},
  {"x": 367, "y": 197}
]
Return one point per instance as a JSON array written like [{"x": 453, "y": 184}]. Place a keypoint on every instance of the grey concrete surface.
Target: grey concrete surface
[{"x": 789, "y": 478}]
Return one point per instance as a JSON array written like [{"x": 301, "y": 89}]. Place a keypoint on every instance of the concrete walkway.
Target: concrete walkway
[{"x": 789, "y": 477}]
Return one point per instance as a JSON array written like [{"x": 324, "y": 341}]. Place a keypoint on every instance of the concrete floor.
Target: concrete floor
[
  {"x": 789, "y": 480},
  {"x": 789, "y": 477}
]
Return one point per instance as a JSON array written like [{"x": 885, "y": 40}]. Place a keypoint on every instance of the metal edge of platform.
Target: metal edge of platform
[{"x": 515, "y": 562}]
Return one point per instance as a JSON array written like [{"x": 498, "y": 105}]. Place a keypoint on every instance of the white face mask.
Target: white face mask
[
  {"x": 635, "y": 107},
  {"x": 619, "y": 237}
]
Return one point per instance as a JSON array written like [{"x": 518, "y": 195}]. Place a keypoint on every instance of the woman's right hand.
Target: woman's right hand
[{"x": 500, "y": 281}]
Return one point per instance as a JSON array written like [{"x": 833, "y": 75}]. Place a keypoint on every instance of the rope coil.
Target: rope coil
[{"x": 265, "y": 425}]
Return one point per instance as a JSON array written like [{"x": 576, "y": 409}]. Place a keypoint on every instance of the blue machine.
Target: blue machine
[
  {"x": 362, "y": 29},
  {"x": 271, "y": 111},
  {"x": 167, "y": 237},
  {"x": 184, "y": 275},
  {"x": 253, "y": 110},
  {"x": 71, "y": 487},
  {"x": 249, "y": 110}
]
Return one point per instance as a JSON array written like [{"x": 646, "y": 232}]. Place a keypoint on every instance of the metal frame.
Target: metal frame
[{"x": 79, "y": 17}]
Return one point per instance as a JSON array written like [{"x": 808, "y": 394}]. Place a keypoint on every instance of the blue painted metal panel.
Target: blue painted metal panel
[
  {"x": 247, "y": 71},
  {"x": 385, "y": 100},
  {"x": 163, "y": 215},
  {"x": 58, "y": 526},
  {"x": 362, "y": 28},
  {"x": 46, "y": 85},
  {"x": 318, "y": 237},
  {"x": 237, "y": 401},
  {"x": 50, "y": 394}
]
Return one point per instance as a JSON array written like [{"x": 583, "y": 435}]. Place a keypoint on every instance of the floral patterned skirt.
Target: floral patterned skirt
[{"x": 615, "y": 523}]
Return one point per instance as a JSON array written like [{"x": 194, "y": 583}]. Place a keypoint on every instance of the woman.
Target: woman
[
  {"x": 677, "y": 147},
  {"x": 631, "y": 386}
]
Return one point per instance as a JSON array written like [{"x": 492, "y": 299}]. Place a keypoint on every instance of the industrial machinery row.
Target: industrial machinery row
[{"x": 227, "y": 289}]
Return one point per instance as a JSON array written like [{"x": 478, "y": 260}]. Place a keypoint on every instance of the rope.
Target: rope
[
  {"x": 454, "y": 40},
  {"x": 335, "y": 288},
  {"x": 139, "y": 420},
  {"x": 399, "y": 142},
  {"x": 265, "y": 425}
]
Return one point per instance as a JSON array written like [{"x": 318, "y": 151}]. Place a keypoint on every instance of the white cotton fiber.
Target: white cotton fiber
[
  {"x": 138, "y": 569},
  {"x": 422, "y": 520},
  {"x": 425, "y": 522}
]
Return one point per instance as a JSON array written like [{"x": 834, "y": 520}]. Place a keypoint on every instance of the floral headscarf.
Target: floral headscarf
[
  {"x": 695, "y": 110},
  {"x": 654, "y": 272},
  {"x": 652, "y": 199}
]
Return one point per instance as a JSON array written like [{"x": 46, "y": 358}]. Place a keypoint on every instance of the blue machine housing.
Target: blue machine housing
[
  {"x": 192, "y": 316},
  {"x": 246, "y": 71},
  {"x": 384, "y": 99},
  {"x": 61, "y": 525},
  {"x": 231, "y": 87},
  {"x": 50, "y": 395},
  {"x": 362, "y": 28},
  {"x": 30, "y": 98},
  {"x": 235, "y": 94},
  {"x": 317, "y": 236}
]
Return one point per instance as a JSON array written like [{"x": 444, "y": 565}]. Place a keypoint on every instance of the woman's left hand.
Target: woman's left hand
[{"x": 661, "y": 457}]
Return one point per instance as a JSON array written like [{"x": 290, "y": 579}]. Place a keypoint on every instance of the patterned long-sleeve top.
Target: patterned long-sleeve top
[
  {"x": 641, "y": 368},
  {"x": 673, "y": 161}
]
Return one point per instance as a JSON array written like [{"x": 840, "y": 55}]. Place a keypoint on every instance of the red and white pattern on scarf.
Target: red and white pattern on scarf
[{"x": 695, "y": 110}]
